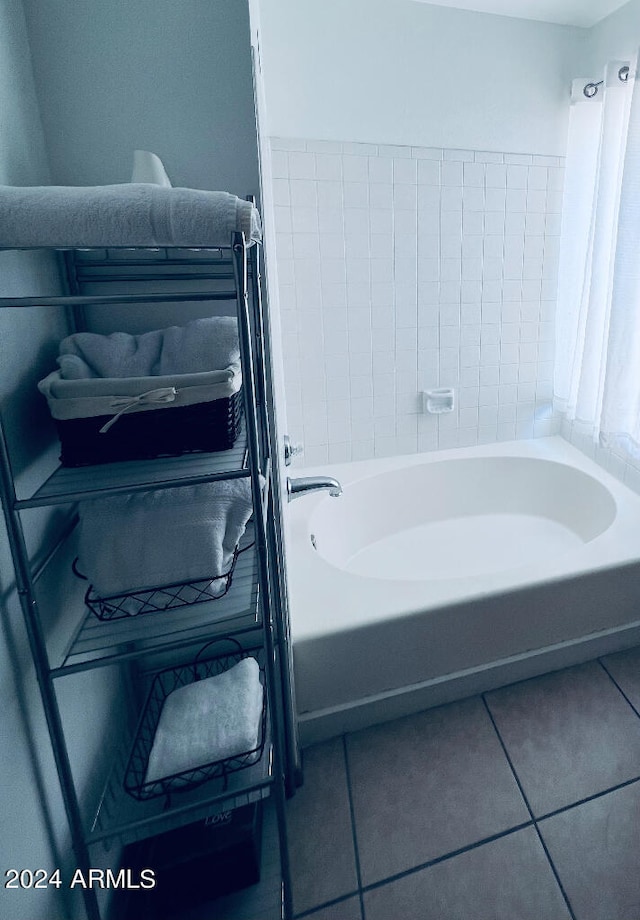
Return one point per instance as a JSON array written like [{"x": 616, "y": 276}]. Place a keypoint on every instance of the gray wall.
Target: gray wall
[
  {"x": 614, "y": 38},
  {"x": 173, "y": 78},
  {"x": 34, "y": 830},
  {"x": 416, "y": 74}
]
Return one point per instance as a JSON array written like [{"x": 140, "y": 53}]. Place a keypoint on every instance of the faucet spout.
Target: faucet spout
[{"x": 304, "y": 485}]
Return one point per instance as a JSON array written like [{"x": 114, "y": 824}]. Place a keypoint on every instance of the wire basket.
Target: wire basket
[
  {"x": 164, "y": 683},
  {"x": 160, "y": 598}
]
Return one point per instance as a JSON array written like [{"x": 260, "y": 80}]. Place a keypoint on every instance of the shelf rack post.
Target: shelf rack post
[
  {"x": 275, "y": 542},
  {"x": 252, "y": 356},
  {"x": 37, "y": 645}
]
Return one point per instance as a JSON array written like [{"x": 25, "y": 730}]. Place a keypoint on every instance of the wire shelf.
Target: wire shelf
[
  {"x": 96, "y": 642},
  {"x": 160, "y": 598},
  {"x": 67, "y": 484},
  {"x": 120, "y": 819}
]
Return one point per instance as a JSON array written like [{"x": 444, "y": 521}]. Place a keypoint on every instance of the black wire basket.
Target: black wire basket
[
  {"x": 164, "y": 683},
  {"x": 160, "y": 598}
]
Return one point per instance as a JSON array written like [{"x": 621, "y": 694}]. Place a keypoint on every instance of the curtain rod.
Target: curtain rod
[{"x": 591, "y": 89}]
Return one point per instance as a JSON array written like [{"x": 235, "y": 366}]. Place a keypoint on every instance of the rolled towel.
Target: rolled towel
[
  {"x": 207, "y": 721},
  {"x": 131, "y": 214},
  {"x": 203, "y": 345},
  {"x": 131, "y": 542}
]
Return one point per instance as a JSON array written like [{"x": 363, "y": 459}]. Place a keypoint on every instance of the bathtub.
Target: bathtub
[{"x": 439, "y": 575}]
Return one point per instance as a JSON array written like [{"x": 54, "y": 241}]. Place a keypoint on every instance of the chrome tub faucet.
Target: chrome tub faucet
[{"x": 307, "y": 484}]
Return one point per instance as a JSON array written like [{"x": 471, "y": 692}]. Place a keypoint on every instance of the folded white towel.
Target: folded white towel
[
  {"x": 209, "y": 720},
  {"x": 131, "y": 542},
  {"x": 131, "y": 214},
  {"x": 202, "y": 345}
]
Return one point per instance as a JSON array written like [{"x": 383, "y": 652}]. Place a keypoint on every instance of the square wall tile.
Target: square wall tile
[
  {"x": 355, "y": 168},
  {"x": 329, "y": 167},
  {"x": 451, "y": 173},
  {"x": 381, "y": 170}
]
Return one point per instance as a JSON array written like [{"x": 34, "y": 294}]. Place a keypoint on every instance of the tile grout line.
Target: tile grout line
[
  {"x": 446, "y": 856},
  {"x": 506, "y": 754},
  {"x": 589, "y": 798},
  {"x": 473, "y": 846},
  {"x": 356, "y": 851},
  {"x": 616, "y": 684},
  {"x": 529, "y": 809}
]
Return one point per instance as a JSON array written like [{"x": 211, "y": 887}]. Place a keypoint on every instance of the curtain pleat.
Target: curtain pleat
[{"x": 594, "y": 319}]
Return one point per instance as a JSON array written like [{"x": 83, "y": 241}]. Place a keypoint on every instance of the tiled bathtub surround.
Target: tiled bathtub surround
[
  {"x": 407, "y": 268},
  {"x": 615, "y": 460}
]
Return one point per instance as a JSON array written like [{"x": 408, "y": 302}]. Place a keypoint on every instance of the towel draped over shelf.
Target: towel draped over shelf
[{"x": 127, "y": 215}]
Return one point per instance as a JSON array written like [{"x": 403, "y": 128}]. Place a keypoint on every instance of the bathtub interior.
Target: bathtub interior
[{"x": 460, "y": 518}]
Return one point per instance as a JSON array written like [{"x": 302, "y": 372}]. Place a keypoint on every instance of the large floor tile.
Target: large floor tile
[
  {"x": 427, "y": 785},
  {"x": 595, "y": 848},
  {"x": 570, "y": 735},
  {"x": 319, "y": 826},
  {"x": 506, "y": 879},
  {"x": 345, "y": 910},
  {"x": 624, "y": 667}
]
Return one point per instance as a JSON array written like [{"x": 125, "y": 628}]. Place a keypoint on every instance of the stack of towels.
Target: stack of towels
[{"x": 209, "y": 720}]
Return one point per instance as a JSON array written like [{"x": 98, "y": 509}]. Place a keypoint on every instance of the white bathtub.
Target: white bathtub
[{"x": 443, "y": 574}]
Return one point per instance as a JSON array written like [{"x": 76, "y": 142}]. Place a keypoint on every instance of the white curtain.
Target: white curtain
[{"x": 597, "y": 373}]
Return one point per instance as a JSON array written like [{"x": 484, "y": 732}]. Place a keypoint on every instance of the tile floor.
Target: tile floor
[{"x": 520, "y": 804}]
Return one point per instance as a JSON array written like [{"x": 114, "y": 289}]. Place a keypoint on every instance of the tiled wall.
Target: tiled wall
[
  {"x": 616, "y": 460},
  {"x": 402, "y": 269}
]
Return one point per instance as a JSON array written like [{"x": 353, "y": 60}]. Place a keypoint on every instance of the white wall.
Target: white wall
[
  {"x": 616, "y": 37},
  {"x": 399, "y": 72},
  {"x": 174, "y": 78}
]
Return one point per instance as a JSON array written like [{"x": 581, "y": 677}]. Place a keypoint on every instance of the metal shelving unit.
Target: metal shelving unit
[{"x": 253, "y": 609}]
